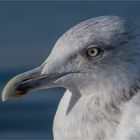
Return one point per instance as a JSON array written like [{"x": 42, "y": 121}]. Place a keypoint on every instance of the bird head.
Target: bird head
[{"x": 98, "y": 56}]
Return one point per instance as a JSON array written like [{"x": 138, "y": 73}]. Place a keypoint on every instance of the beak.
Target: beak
[{"x": 28, "y": 82}]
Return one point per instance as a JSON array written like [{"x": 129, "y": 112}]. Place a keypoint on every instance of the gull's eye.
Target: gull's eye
[{"x": 93, "y": 51}]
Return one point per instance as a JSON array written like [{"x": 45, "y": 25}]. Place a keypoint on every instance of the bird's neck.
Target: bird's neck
[{"x": 86, "y": 116}]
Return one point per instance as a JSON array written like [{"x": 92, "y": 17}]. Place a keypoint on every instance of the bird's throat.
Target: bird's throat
[{"x": 81, "y": 116}]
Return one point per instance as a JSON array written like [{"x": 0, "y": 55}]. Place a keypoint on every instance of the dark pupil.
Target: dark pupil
[{"x": 92, "y": 51}]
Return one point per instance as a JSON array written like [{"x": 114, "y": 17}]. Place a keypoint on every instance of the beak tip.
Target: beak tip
[
  {"x": 4, "y": 99},
  {"x": 5, "y": 96},
  {"x": 9, "y": 89}
]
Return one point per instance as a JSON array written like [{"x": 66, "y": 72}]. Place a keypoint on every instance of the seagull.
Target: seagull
[{"x": 98, "y": 63}]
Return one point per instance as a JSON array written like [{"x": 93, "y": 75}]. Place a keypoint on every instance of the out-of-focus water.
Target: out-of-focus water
[
  {"x": 29, "y": 117},
  {"x": 28, "y": 31}
]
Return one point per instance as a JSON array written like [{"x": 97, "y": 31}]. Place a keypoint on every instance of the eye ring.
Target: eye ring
[{"x": 93, "y": 51}]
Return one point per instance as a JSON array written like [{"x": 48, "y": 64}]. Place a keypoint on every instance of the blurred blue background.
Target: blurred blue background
[{"x": 28, "y": 31}]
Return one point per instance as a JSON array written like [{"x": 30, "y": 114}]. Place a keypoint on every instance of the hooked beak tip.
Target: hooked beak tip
[
  {"x": 10, "y": 91},
  {"x": 7, "y": 96}
]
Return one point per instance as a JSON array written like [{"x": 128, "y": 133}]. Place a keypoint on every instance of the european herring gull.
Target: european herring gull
[{"x": 98, "y": 63}]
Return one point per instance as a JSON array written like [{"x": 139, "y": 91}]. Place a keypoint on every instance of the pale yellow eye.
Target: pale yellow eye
[{"x": 93, "y": 52}]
